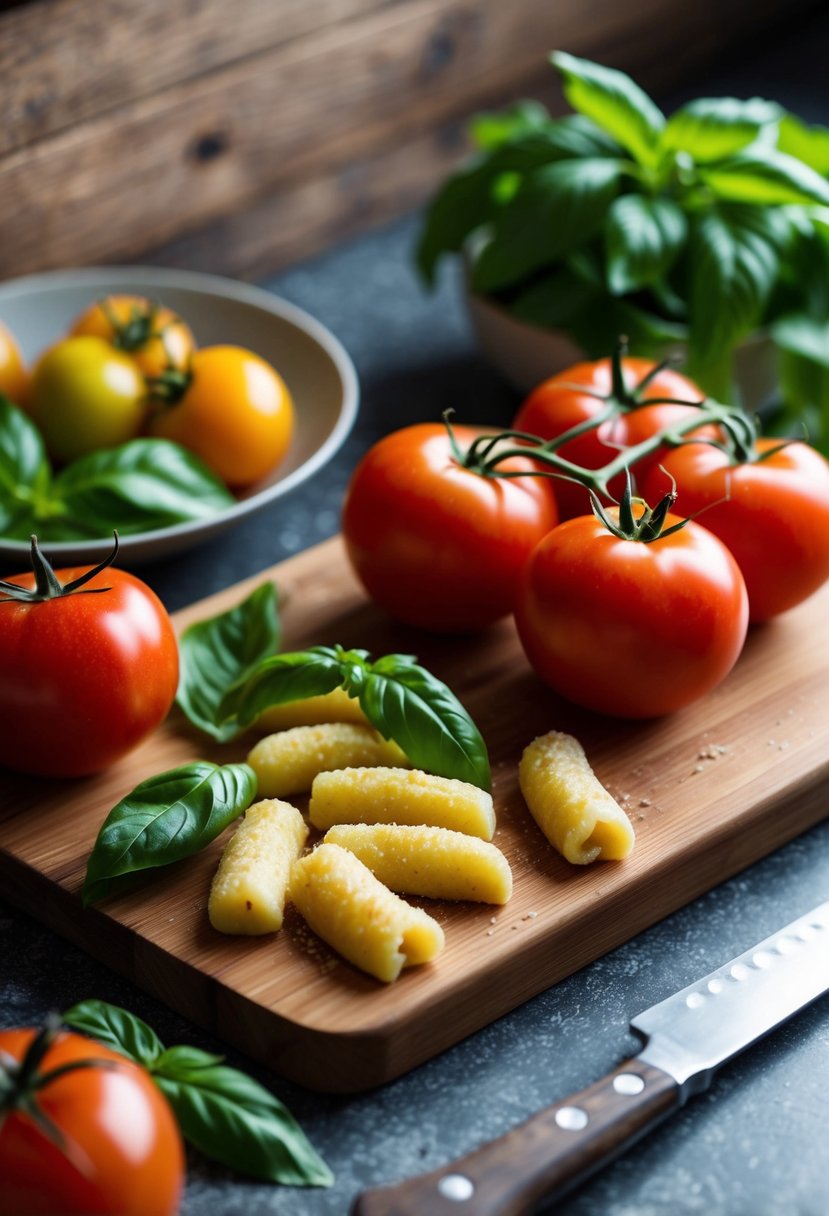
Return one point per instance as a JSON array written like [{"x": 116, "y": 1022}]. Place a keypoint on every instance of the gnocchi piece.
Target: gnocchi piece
[
  {"x": 435, "y": 862},
  {"x": 569, "y": 803},
  {"x": 336, "y": 706},
  {"x": 360, "y": 918},
  {"x": 288, "y": 761},
  {"x": 399, "y": 795},
  {"x": 250, "y": 885}
]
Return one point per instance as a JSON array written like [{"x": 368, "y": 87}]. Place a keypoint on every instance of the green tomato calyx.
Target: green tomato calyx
[
  {"x": 646, "y": 526},
  {"x": 47, "y": 584}
]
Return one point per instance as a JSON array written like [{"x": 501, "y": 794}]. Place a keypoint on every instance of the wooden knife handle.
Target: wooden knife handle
[{"x": 549, "y": 1153}]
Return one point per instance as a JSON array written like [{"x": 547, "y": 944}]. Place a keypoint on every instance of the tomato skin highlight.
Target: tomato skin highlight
[
  {"x": 85, "y": 395},
  {"x": 558, "y": 404},
  {"x": 118, "y": 1124},
  {"x": 237, "y": 414},
  {"x": 84, "y": 677},
  {"x": 772, "y": 514},
  {"x": 170, "y": 343},
  {"x": 437, "y": 545},
  {"x": 628, "y": 628}
]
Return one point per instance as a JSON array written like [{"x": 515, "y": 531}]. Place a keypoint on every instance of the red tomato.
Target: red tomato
[
  {"x": 235, "y": 413},
  {"x": 438, "y": 545},
  {"x": 772, "y": 513},
  {"x": 123, "y": 1154},
  {"x": 84, "y": 676},
  {"x": 563, "y": 402},
  {"x": 630, "y": 628}
]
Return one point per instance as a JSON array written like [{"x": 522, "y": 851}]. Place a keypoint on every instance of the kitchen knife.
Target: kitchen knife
[{"x": 687, "y": 1037}]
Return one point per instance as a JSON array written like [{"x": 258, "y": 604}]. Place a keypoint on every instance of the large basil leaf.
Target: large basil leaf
[
  {"x": 406, "y": 703},
  {"x": 140, "y": 486},
  {"x": 766, "y": 177},
  {"x": 556, "y": 208},
  {"x": 166, "y": 818},
  {"x": 615, "y": 103},
  {"x": 643, "y": 238},
  {"x": 711, "y": 128},
  {"x": 117, "y": 1029},
  {"x": 280, "y": 679},
  {"x": 221, "y": 1111},
  {"x": 25, "y": 473},
  {"x": 809, "y": 144},
  {"x": 554, "y": 300},
  {"x": 234, "y": 1120},
  {"x": 734, "y": 264},
  {"x": 217, "y": 653}
]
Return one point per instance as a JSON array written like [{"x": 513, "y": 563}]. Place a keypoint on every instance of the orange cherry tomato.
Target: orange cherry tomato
[
  {"x": 14, "y": 378},
  {"x": 235, "y": 412},
  {"x": 115, "y": 1148},
  {"x": 155, "y": 337}
]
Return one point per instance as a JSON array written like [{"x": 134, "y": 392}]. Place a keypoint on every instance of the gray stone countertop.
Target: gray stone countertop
[{"x": 755, "y": 1143}]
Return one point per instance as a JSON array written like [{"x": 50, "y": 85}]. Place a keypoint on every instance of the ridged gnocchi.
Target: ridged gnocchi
[
  {"x": 359, "y": 917},
  {"x": 569, "y": 803},
  {"x": 250, "y": 885},
  {"x": 288, "y": 761},
  {"x": 435, "y": 862},
  {"x": 399, "y": 795}
]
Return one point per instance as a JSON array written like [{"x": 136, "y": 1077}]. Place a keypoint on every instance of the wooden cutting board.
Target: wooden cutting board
[{"x": 709, "y": 790}]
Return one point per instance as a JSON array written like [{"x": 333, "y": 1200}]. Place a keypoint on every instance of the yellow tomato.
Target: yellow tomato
[
  {"x": 14, "y": 379},
  {"x": 156, "y": 338},
  {"x": 86, "y": 395},
  {"x": 235, "y": 412}
]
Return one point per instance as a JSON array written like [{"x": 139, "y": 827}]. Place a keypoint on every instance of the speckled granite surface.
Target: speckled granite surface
[{"x": 755, "y": 1144}]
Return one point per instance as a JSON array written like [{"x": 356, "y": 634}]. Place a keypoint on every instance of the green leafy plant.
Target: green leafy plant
[
  {"x": 136, "y": 487},
  {"x": 221, "y": 1111},
  {"x": 696, "y": 229}
]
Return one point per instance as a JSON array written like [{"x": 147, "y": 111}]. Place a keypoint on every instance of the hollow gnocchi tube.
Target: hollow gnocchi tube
[
  {"x": 435, "y": 862},
  {"x": 288, "y": 761},
  {"x": 359, "y": 917},
  {"x": 336, "y": 706},
  {"x": 250, "y": 885},
  {"x": 399, "y": 795},
  {"x": 569, "y": 803}
]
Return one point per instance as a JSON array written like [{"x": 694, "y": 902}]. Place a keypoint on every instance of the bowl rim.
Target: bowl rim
[{"x": 219, "y": 286}]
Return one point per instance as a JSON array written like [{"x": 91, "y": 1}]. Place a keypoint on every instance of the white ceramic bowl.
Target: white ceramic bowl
[{"x": 316, "y": 368}]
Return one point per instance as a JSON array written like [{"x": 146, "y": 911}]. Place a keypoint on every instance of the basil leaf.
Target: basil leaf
[
  {"x": 711, "y": 128},
  {"x": 615, "y": 103},
  {"x": 556, "y": 208},
  {"x": 643, "y": 238},
  {"x": 117, "y": 1029},
  {"x": 766, "y": 177},
  {"x": 406, "y": 703},
  {"x": 553, "y": 301},
  {"x": 233, "y": 1120},
  {"x": 804, "y": 335},
  {"x": 734, "y": 266},
  {"x": 595, "y": 329},
  {"x": 804, "y": 384},
  {"x": 140, "y": 486},
  {"x": 223, "y": 1112},
  {"x": 25, "y": 473},
  {"x": 166, "y": 818},
  {"x": 222, "y": 651},
  {"x": 809, "y": 144},
  {"x": 490, "y": 131},
  {"x": 280, "y": 679}
]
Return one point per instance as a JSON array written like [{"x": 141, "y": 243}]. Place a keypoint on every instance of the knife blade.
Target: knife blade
[{"x": 687, "y": 1037}]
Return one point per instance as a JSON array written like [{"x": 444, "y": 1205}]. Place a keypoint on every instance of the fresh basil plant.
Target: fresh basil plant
[{"x": 697, "y": 228}]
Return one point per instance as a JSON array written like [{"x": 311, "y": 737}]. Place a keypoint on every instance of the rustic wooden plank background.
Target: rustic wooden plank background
[{"x": 237, "y": 140}]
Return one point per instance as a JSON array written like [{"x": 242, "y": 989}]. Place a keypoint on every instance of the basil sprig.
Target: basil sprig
[
  {"x": 138, "y": 486},
  {"x": 216, "y": 653},
  {"x": 700, "y": 226},
  {"x": 166, "y": 818},
  {"x": 222, "y": 1112}
]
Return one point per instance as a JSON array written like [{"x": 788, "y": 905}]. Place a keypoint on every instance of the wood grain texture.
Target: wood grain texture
[
  {"x": 190, "y": 118},
  {"x": 709, "y": 790}
]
